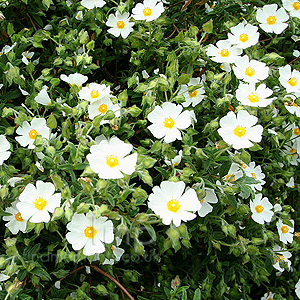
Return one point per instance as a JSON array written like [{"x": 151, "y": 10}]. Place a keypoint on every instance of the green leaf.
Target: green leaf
[
  {"x": 208, "y": 26},
  {"x": 151, "y": 231},
  {"x": 197, "y": 295}
]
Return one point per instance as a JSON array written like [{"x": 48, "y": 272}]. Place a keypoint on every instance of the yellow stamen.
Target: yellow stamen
[
  {"x": 293, "y": 151},
  {"x": 202, "y": 200},
  {"x": 296, "y": 5},
  {"x": 147, "y": 12},
  {"x": 112, "y": 161},
  {"x": 40, "y": 203},
  {"x": 244, "y": 37},
  {"x": 240, "y": 131},
  {"x": 169, "y": 123},
  {"x": 173, "y": 205},
  {"x": 254, "y": 175},
  {"x": 90, "y": 232},
  {"x": 249, "y": 72},
  {"x": 259, "y": 209},
  {"x": 102, "y": 108},
  {"x": 18, "y": 217},
  {"x": 253, "y": 98},
  {"x": 293, "y": 81},
  {"x": 224, "y": 53},
  {"x": 271, "y": 20},
  {"x": 297, "y": 131},
  {"x": 33, "y": 133},
  {"x": 284, "y": 229},
  {"x": 95, "y": 94},
  {"x": 280, "y": 257},
  {"x": 120, "y": 24},
  {"x": 194, "y": 94},
  {"x": 230, "y": 177}
]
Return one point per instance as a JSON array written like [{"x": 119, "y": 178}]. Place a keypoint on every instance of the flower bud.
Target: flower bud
[{"x": 82, "y": 208}]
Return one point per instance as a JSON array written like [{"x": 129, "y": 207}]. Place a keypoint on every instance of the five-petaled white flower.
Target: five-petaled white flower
[
  {"x": 94, "y": 91},
  {"x": 256, "y": 173},
  {"x": 243, "y": 35},
  {"x": 240, "y": 130},
  {"x": 293, "y": 7},
  {"x": 223, "y": 52},
  {"x": 167, "y": 120},
  {"x": 250, "y": 70},
  {"x": 90, "y": 4},
  {"x": 293, "y": 108},
  {"x": 290, "y": 79},
  {"x": 249, "y": 95},
  {"x": 261, "y": 209},
  {"x": 27, "y": 132},
  {"x": 271, "y": 19},
  {"x": 120, "y": 24},
  {"x": 268, "y": 296},
  {"x": 210, "y": 197},
  {"x": 4, "y": 147},
  {"x": 110, "y": 159},
  {"x": 100, "y": 107},
  {"x": 74, "y": 79},
  {"x": 89, "y": 233},
  {"x": 36, "y": 202},
  {"x": 149, "y": 10},
  {"x": 170, "y": 203},
  {"x": 282, "y": 256},
  {"x": 16, "y": 222},
  {"x": 196, "y": 96},
  {"x": 285, "y": 232}
]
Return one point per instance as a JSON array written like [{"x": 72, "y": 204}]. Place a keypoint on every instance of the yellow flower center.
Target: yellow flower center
[
  {"x": 271, "y": 20},
  {"x": 112, "y": 161},
  {"x": 193, "y": 94},
  {"x": 280, "y": 257},
  {"x": 147, "y": 11},
  {"x": 253, "y": 98},
  {"x": 18, "y": 217},
  {"x": 102, "y": 108},
  {"x": 95, "y": 94},
  {"x": 293, "y": 151},
  {"x": 90, "y": 232},
  {"x": 230, "y": 177},
  {"x": 173, "y": 205},
  {"x": 295, "y": 104},
  {"x": 244, "y": 166},
  {"x": 254, "y": 175},
  {"x": 120, "y": 24},
  {"x": 33, "y": 133},
  {"x": 250, "y": 72},
  {"x": 284, "y": 229},
  {"x": 259, "y": 209},
  {"x": 240, "y": 131},
  {"x": 169, "y": 123},
  {"x": 270, "y": 298},
  {"x": 297, "y": 131},
  {"x": 244, "y": 37},
  {"x": 224, "y": 53},
  {"x": 202, "y": 200},
  {"x": 112, "y": 248},
  {"x": 296, "y": 5},
  {"x": 293, "y": 81},
  {"x": 40, "y": 203}
]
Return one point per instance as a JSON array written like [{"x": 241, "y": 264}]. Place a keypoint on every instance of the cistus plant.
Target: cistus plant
[{"x": 149, "y": 149}]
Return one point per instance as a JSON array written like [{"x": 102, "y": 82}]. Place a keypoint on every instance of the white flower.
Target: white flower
[
  {"x": 4, "y": 147},
  {"x": 261, "y": 209},
  {"x": 250, "y": 70},
  {"x": 249, "y": 95},
  {"x": 94, "y": 92},
  {"x": 90, "y": 4},
  {"x": 16, "y": 222},
  {"x": 167, "y": 120},
  {"x": 206, "y": 208},
  {"x": 175, "y": 161},
  {"x": 194, "y": 97},
  {"x": 120, "y": 24},
  {"x": 24, "y": 93},
  {"x": 256, "y": 173},
  {"x": 291, "y": 183},
  {"x": 7, "y": 48},
  {"x": 145, "y": 74},
  {"x": 12, "y": 181},
  {"x": 282, "y": 255},
  {"x": 26, "y": 56},
  {"x": 268, "y": 296},
  {"x": 289, "y": 79},
  {"x": 271, "y": 19},
  {"x": 293, "y": 108},
  {"x": 79, "y": 15},
  {"x": 74, "y": 79},
  {"x": 234, "y": 173},
  {"x": 285, "y": 232},
  {"x": 3, "y": 277},
  {"x": 36, "y": 202},
  {"x": 110, "y": 159},
  {"x": 100, "y": 107},
  {"x": 291, "y": 148},
  {"x": 296, "y": 53},
  {"x": 293, "y": 7},
  {"x": 149, "y": 10},
  {"x": 223, "y": 52},
  {"x": 243, "y": 35},
  {"x": 43, "y": 97},
  {"x": 28, "y": 132},
  {"x": 297, "y": 288},
  {"x": 172, "y": 205},
  {"x": 89, "y": 233},
  {"x": 239, "y": 130},
  {"x": 117, "y": 251}
]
